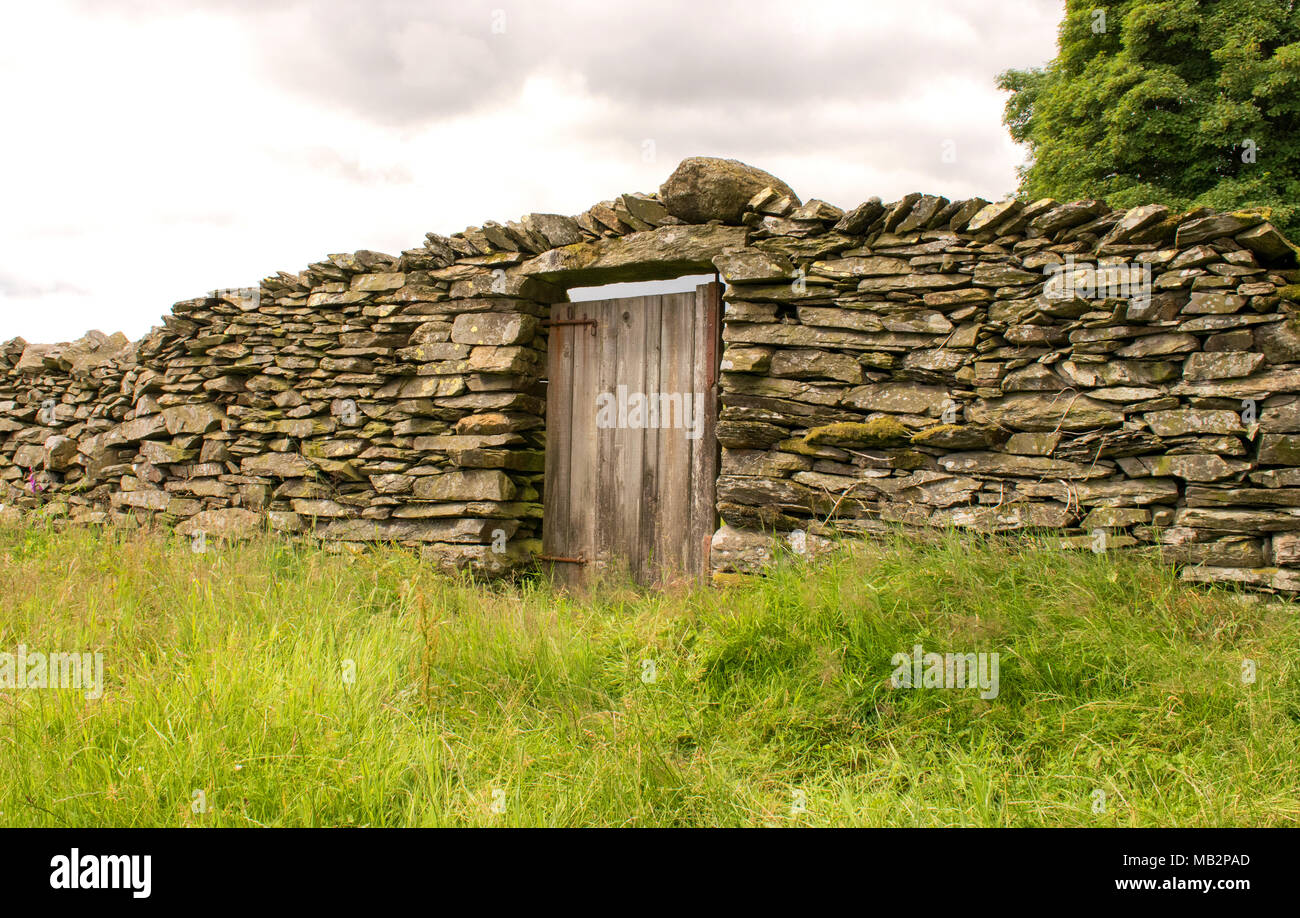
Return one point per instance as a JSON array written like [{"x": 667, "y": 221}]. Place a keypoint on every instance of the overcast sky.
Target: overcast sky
[{"x": 157, "y": 149}]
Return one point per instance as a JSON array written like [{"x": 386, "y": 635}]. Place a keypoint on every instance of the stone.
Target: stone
[
  {"x": 935, "y": 360},
  {"x": 493, "y": 329},
  {"x": 1279, "y": 342},
  {"x": 1286, "y": 550},
  {"x": 753, "y": 267},
  {"x": 796, "y": 336},
  {"x": 1219, "y": 495},
  {"x": 1265, "y": 240},
  {"x": 1222, "y": 365},
  {"x": 460, "y": 530},
  {"x": 138, "y": 429},
  {"x": 747, "y": 359},
  {"x": 645, "y": 208},
  {"x": 739, "y": 434},
  {"x": 1258, "y": 385},
  {"x": 1032, "y": 444},
  {"x": 1281, "y": 416},
  {"x": 1182, "y": 422},
  {"x": 1135, "y": 220},
  {"x": 807, "y": 363},
  {"x": 1204, "y": 229},
  {"x": 557, "y": 230},
  {"x": 860, "y": 266},
  {"x": 1260, "y": 578},
  {"x": 1065, "y": 216},
  {"x": 1115, "y": 518},
  {"x": 1006, "y": 518},
  {"x": 192, "y": 419},
  {"x": 1244, "y": 521},
  {"x": 956, "y": 437},
  {"x": 381, "y": 283},
  {"x": 1213, "y": 303},
  {"x": 160, "y": 453},
  {"x": 782, "y": 495},
  {"x": 1195, "y": 467},
  {"x": 912, "y": 283},
  {"x": 666, "y": 252},
  {"x": 1232, "y": 552},
  {"x": 60, "y": 453},
  {"x": 278, "y": 465},
  {"x": 33, "y": 356},
  {"x": 91, "y": 351},
  {"x": 144, "y": 499},
  {"x": 741, "y": 550},
  {"x": 1033, "y": 412},
  {"x": 762, "y": 463},
  {"x": 1034, "y": 378},
  {"x": 477, "y": 484},
  {"x": 704, "y": 188},
  {"x": 898, "y": 398},
  {"x": 995, "y": 464},
  {"x": 993, "y": 214},
  {"x": 1004, "y": 275},
  {"x": 222, "y": 525},
  {"x": 857, "y": 220},
  {"x": 880, "y": 431},
  {"x": 1279, "y": 449}
]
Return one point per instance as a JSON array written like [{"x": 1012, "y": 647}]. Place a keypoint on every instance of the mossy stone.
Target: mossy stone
[{"x": 881, "y": 431}]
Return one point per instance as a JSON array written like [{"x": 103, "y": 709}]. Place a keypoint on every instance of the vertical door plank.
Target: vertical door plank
[
  {"x": 630, "y": 442},
  {"x": 605, "y": 549},
  {"x": 705, "y": 458},
  {"x": 674, "y": 517},
  {"x": 556, "y": 490},
  {"x": 649, "y": 497},
  {"x": 584, "y": 465}
]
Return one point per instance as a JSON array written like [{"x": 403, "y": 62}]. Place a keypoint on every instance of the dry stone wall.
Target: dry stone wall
[{"x": 1124, "y": 377}]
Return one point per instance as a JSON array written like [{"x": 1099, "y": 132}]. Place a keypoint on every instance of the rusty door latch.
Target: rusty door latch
[{"x": 551, "y": 323}]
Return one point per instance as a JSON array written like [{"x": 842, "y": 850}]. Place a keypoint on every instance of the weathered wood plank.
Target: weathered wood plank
[
  {"x": 630, "y": 442},
  {"x": 650, "y": 523},
  {"x": 705, "y": 452},
  {"x": 584, "y": 462},
  {"x": 674, "y": 504},
  {"x": 605, "y": 549},
  {"x": 557, "y": 488}
]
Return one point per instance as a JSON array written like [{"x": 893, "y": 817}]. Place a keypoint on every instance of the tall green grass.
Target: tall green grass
[{"x": 293, "y": 686}]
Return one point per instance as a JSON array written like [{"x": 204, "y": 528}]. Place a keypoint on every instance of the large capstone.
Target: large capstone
[{"x": 704, "y": 188}]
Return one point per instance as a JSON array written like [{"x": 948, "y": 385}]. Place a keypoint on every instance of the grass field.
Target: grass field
[{"x": 291, "y": 686}]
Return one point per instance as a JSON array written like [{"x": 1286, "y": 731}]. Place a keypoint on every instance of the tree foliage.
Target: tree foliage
[{"x": 1178, "y": 102}]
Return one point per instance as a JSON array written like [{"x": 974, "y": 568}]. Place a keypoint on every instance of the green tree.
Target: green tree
[{"x": 1178, "y": 102}]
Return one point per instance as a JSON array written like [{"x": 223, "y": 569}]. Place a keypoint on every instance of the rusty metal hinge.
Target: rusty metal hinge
[{"x": 577, "y": 560}]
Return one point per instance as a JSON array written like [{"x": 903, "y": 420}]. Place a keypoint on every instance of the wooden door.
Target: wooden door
[{"x": 631, "y": 442}]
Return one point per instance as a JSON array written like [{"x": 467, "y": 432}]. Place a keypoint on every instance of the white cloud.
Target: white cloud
[{"x": 155, "y": 151}]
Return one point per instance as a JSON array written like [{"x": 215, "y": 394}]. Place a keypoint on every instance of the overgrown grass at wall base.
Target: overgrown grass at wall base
[{"x": 763, "y": 704}]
